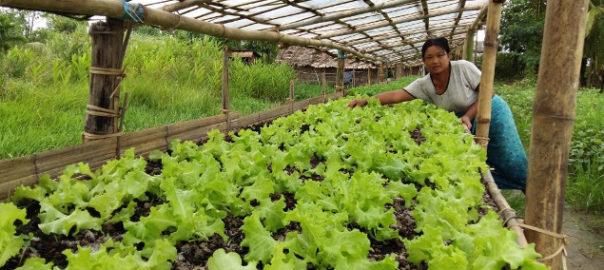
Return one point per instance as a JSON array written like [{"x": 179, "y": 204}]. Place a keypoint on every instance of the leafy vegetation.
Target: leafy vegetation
[
  {"x": 586, "y": 164},
  {"x": 44, "y": 85},
  {"x": 328, "y": 181}
]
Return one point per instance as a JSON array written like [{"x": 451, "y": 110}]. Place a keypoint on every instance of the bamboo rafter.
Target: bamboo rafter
[
  {"x": 462, "y": 4},
  {"x": 368, "y": 30}
]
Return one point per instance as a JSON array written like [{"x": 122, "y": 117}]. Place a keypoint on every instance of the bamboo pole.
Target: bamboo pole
[
  {"x": 157, "y": 17},
  {"x": 291, "y": 98},
  {"x": 403, "y": 19},
  {"x": 225, "y": 85},
  {"x": 368, "y": 76},
  {"x": 343, "y": 14},
  {"x": 506, "y": 212},
  {"x": 553, "y": 118},
  {"x": 381, "y": 73},
  {"x": 324, "y": 87},
  {"x": 488, "y": 73},
  {"x": 469, "y": 46},
  {"x": 106, "y": 64},
  {"x": 340, "y": 73}
]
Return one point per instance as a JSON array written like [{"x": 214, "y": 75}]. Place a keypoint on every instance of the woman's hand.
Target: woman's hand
[
  {"x": 466, "y": 122},
  {"x": 357, "y": 102}
]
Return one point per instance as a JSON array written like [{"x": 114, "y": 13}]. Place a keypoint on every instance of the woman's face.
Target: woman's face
[{"x": 436, "y": 59}]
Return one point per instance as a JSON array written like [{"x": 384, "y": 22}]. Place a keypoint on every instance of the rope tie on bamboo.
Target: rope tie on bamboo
[
  {"x": 481, "y": 138},
  {"x": 99, "y": 111},
  {"x": 512, "y": 215},
  {"x": 171, "y": 28},
  {"x": 560, "y": 250},
  {"x": 136, "y": 15},
  {"x": 108, "y": 71},
  {"x": 561, "y": 117}
]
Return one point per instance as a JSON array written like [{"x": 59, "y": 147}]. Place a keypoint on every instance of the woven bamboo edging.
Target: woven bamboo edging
[
  {"x": 506, "y": 212},
  {"x": 28, "y": 170}
]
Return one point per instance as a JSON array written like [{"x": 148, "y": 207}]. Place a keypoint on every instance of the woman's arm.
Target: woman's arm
[{"x": 391, "y": 97}]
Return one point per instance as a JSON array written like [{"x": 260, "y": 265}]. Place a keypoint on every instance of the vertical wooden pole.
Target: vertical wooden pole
[
  {"x": 225, "y": 85},
  {"x": 102, "y": 110},
  {"x": 368, "y": 76},
  {"x": 474, "y": 50},
  {"x": 381, "y": 73},
  {"x": 469, "y": 46},
  {"x": 324, "y": 87},
  {"x": 340, "y": 73},
  {"x": 488, "y": 73},
  {"x": 553, "y": 118},
  {"x": 353, "y": 77},
  {"x": 292, "y": 96}
]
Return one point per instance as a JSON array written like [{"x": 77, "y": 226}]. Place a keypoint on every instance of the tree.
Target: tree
[
  {"x": 594, "y": 38},
  {"x": 11, "y": 30},
  {"x": 522, "y": 30}
]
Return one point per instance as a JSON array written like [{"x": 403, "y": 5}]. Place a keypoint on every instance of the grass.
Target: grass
[
  {"x": 384, "y": 87},
  {"x": 306, "y": 90},
  {"x": 44, "y": 91},
  {"x": 585, "y": 179}
]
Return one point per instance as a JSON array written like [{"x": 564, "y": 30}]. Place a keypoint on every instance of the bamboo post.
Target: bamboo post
[
  {"x": 340, "y": 73},
  {"x": 381, "y": 73},
  {"x": 469, "y": 46},
  {"x": 553, "y": 118},
  {"x": 368, "y": 76},
  {"x": 324, "y": 86},
  {"x": 225, "y": 86},
  {"x": 488, "y": 73},
  {"x": 105, "y": 75},
  {"x": 291, "y": 98}
]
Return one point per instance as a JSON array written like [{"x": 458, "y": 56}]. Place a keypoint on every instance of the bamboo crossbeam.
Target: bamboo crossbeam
[
  {"x": 553, "y": 119},
  {"x": 395, "y": 35},
  {"x": 462, "y": 4},
  {"x": 479, "y": 19},
  {"x": 115, "y": 9},
  {"x": 387, "y": 18},
  {"x": 483, "y": 119},
  {"x": 344, "y": 14},
  {"x": 405, "y": 42},
  {"x": 427, "y": 18},
  {"x": 397, "y": 21},
  {"x": 183, "y": 5}
]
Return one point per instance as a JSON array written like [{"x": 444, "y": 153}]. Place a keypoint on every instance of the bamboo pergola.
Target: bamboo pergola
[{"x": 387, "y": 33}]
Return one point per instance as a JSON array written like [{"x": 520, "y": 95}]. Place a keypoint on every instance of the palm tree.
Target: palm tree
[{"x": 594, "y": 40}]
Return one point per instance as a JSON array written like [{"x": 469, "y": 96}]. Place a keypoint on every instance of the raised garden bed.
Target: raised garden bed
[{"x": 329, "y": 188}]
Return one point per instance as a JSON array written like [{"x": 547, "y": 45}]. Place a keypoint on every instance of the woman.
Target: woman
[{"x": 454, "y": 86}]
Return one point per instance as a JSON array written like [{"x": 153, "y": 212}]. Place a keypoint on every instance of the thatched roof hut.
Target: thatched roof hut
[{"x": 297, "y": 57}]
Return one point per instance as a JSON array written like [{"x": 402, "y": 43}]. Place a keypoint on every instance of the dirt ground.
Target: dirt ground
[{"x": 586, "y": 246}]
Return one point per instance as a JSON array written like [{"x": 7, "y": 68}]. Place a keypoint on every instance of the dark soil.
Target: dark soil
[
  {"x": 50, "y": 247},
  {"x": 153, "y": 167},
  {"x": 196, "y": 254},
  {"x": 417, "y": 136}
]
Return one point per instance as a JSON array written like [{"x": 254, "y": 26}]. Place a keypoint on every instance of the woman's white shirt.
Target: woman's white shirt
[{"x": 461, "y": 90}]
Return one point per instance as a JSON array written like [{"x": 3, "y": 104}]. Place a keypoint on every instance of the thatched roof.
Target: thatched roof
[{"x": 297, "y": 56}]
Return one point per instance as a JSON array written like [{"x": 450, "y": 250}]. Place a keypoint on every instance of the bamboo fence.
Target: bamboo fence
[{"x": 28, "y": 170}]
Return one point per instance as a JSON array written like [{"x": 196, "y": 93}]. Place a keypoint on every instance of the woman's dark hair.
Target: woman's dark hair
[{"x": 440, "y": 42}]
